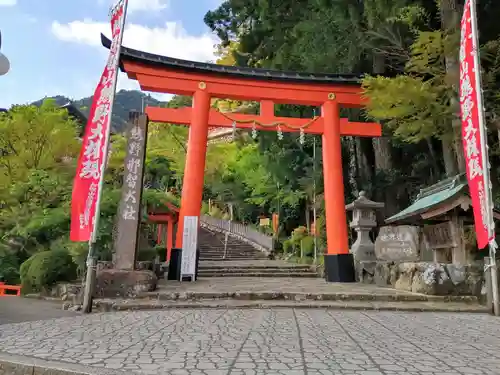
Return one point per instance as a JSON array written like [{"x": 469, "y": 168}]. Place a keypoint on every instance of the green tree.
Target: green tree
[{"x": 33, "y": 138}]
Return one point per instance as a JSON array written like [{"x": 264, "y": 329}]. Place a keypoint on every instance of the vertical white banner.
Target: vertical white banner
[{"x": 189, "y": 246}]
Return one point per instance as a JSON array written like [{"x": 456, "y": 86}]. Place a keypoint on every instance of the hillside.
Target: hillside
[{"x": 125, "y": 101}]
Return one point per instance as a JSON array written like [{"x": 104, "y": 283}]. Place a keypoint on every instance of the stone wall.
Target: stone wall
[
  {"x": 68, "y": 292},
  {"x": 424, "y": 277},
  {"x": 139, "y": 266}
]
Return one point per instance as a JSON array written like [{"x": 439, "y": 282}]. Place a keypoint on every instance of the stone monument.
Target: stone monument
[
  {"x": 400, "y": 243},
  {"x": 124, "y": 279}
]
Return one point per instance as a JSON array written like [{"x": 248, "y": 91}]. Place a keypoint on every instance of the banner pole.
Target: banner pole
[
  {"x": 91, "y": 260},
  {"x": 486, "y": 164}
]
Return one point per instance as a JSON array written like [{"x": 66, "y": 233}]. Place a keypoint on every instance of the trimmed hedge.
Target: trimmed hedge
[
  {"x": 45, "y": 269},
  {"x": 151, "y": 253}
]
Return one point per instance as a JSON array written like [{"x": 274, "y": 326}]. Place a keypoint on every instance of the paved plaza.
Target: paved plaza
[{"x": 251, "y": 342}]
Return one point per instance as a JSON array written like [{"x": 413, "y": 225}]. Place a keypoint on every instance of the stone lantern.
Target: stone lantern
[{"x": 363, "y": 221}]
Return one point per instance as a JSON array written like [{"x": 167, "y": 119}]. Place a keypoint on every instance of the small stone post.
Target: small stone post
[{"x": 363, "y": 221}]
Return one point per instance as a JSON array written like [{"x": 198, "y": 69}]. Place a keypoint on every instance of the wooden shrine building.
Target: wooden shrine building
[{"x": 444, "y": 211}]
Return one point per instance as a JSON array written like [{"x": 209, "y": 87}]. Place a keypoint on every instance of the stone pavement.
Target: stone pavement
[{"x": 252, "y": 342}]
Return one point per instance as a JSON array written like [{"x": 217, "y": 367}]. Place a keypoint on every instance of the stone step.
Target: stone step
[
  {"x": 409, "y": 306},
  {"x": 229, "y": 250},
  {"x": 235, "y": 247},
  {"x": 256, "y": 270},
  {"x": 166, "y": 293},
  {"x": 215, "y": 242},
  {"x": 228, "y": 259},
  {"x": 252, "y": 273},
  {"x": 232, "y": 256},
  {"x": 232, "y": 253},
  {"x": 222, "y": 267}
]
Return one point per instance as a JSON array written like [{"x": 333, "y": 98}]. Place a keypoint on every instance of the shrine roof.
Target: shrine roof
[
  {"x": 433, "y": 196},
  {"x": 232, "y": 71},
  {"x": 75, "y": 113}
]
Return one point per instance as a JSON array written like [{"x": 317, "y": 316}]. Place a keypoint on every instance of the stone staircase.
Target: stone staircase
[
  {"x": 211, "y": 244},
  {"x": 241, "y": 259}
]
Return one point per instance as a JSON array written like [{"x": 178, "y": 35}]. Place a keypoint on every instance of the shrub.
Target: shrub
[
  {"x": 307, "y": 244},
  {"x": 24, "y": 274},
  {"x": 298, "y": 234},
  {"x": 9, "y": 268},
  {"x": 161, "y": 251},
  {"x": 45, "y": 269},
  {"x": 277, "y": 246},
  {"x": 287, "y": 246},
  {"x": 216, "y": 212},
  {"x": 147, "y": 255}
]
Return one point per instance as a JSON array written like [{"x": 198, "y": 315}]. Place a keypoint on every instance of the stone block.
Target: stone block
[
  {"x": 122, "y": 283},
  {"x": 398, "y": 243},
  {"x": 382, "y": 275},
  {"x": 427, "y": 277},
  {"x": 141, "y": 265},
  {"x": 365, "y": 271}
]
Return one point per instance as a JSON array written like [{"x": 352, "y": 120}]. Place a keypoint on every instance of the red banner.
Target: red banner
[
  {"x": 92, "y": 159},
  {"x": 473, "y": 142},
  {"x": 275, "y": 219}
]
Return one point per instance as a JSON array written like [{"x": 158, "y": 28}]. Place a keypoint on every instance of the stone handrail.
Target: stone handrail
[{"x": 241, "y": 231}]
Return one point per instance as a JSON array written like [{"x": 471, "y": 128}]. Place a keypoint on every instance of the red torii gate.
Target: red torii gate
[
  {"x": 165, "y": 222},
  {"x": 206, "y": 81}
]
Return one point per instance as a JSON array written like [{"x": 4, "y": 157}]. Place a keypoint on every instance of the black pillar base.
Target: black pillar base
[
  {"x": 339, "y": 268},
  {"x": 174, "y": 267}
]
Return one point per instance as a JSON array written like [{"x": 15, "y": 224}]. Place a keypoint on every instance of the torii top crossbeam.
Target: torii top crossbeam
[
  {"x": 205, "y": 81},
  {"x": 182, "y": 77}
]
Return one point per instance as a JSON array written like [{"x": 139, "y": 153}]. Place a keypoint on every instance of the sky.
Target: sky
[{"x": 54, "y": 45}]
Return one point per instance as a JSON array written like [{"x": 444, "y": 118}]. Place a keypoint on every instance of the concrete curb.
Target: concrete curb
[
  {"x": 108, "y": 306},
  {"x": 11, "y": 364}
]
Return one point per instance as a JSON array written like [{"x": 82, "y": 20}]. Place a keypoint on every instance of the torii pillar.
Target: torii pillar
[
  {"x": 339, "y": 264},
  {"x": 194, "y": 170}
]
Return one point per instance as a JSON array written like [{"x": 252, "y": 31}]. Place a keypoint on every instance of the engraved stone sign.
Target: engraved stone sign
[
  {"x": 129, "y": 213},
  {"x": 440, "y": 236},
  {"x": 397, "y": 243}
]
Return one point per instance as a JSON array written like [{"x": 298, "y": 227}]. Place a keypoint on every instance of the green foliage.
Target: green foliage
[
  {"x": 45, "y": 269},
  {"x": 298, "y": 234},
  {"x": 402, "y": 39},
  {"x": 307, "y": 246},
  {"x": 287, "y": 246},
  {"x": 33, "y": 138},
  {"x": 415, "y": 105},
  {"x": 300, "y": 243},
  {"x": 148, "y": 255},
  {"x": 9, "y": 268},
  {"x": 161, "y": 251}
]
